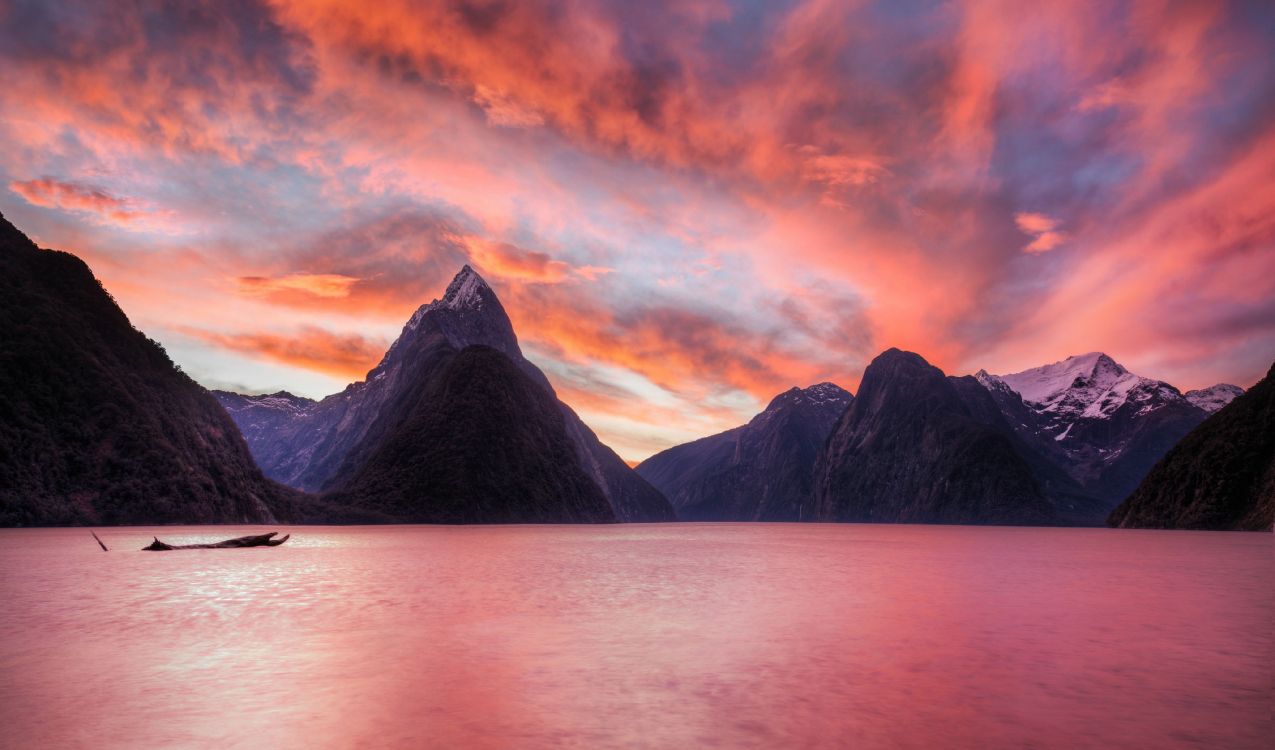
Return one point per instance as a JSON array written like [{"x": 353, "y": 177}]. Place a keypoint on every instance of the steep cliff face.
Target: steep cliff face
[
  {"x": 761, "y": 471},
  {"x": 1220, "y": 476},
  {"x": 908, "y": 450},
  {"x": 317, "y": 447},
  {"x": 97, "y": 426},
  {"x": 480, "y": 442}
]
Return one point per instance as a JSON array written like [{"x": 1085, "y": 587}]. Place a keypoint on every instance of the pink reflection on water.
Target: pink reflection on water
[{"x": 638, "y": 636}]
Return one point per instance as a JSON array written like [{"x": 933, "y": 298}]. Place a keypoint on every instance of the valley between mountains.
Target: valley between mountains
[{"x": 455, "y": 425}]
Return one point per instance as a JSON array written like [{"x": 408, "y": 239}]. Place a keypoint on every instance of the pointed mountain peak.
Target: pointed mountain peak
[{"x": 467, "y": 291}]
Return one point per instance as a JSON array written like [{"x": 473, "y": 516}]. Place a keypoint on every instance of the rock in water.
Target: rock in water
[{"x": 261, "y": 540}]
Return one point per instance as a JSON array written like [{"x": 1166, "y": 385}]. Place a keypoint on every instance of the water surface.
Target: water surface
[{"x": 660, "y": 636}]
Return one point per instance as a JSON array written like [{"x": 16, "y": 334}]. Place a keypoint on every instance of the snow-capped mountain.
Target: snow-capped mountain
[
  {"x": 1214, "y": 397},
  {"x": 319, "y": 446},
  {"x": 1101, "y": 423},
  {"x": 761, "y": 471}
]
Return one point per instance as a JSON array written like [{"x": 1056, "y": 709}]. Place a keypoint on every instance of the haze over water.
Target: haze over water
[{"x": 667, "y": 636}]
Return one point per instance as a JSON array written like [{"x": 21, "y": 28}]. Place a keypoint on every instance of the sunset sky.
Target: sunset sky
[{"x": 686, "y": 207}]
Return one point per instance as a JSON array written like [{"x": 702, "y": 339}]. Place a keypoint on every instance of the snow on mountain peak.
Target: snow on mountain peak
[
  {"x": 465, "y": 291},
  {"x": 822, "y": 395},
  {"x": 1043, "y": 385},
  {"x": 1089, "y": 385},
  {"x": 1214, "y": 397}
]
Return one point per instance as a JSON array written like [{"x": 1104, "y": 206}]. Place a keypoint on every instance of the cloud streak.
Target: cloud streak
[{"x": 311, "y": 348}]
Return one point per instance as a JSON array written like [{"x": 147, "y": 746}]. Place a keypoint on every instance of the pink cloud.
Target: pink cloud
[{"x": 74, "y": 196}]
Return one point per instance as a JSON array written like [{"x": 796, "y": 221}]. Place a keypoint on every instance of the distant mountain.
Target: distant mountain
[
  {"x": 909, "y": 450},
  {"x": 1214, "y": 397},
  {"x": 321, "y": 446},
  {"x": 761, "y": 471},
  {"x": 1103, "y": 425},
  {"x": 1220, "y": 476},
  {"x": 481, "y": 443},
  {"x": 97, "y": 426}
]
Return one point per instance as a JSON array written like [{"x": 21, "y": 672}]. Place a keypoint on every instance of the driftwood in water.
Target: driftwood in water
[
  {"x": 264, "y": 540},
  {"x": 99, "y": 542}
]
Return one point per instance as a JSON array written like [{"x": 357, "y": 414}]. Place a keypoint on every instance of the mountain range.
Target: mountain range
[
  {"x": 455, "y": 425},
  {"x": 1063, "y": 443},
  {"x": 761, "y": 471}
]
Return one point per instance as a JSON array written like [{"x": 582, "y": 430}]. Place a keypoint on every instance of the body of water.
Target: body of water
[{"x": 643, "y": 636}]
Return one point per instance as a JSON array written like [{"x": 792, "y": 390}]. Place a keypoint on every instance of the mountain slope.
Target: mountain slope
[
  {"x": 482, "y": 443},
  {"x": 1220, "y": 476},
  {"x": 908, "y": 450},
  {"x": 1073, "y": 505},
  {"x": 97, "y": 426},
  {"x": 322, "y": 446},
  {"x": 761, "y": 471},
  {"x": 1103, "y": 425}
]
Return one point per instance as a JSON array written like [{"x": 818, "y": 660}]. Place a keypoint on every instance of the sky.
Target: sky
[{"x": 686, "y": 207}]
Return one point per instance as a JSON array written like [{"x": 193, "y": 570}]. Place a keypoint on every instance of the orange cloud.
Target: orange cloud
[
  {"x": 310, "y": 348},
  {"x": 510, "y": 261},
  {"x": 326, "y": 285},
  {"x": 1043, "y": 229},
  {"x": 73, "y": 196}
]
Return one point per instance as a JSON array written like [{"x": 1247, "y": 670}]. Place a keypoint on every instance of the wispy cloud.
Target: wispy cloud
[
  {"x": 74, "y": 196},
  {"x": 311, "y": 348}
]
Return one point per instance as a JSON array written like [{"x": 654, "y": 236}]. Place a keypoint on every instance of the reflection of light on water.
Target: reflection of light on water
[{"x": 668, "y": 636}]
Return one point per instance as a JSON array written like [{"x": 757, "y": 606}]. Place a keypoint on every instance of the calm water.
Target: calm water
[{"x": 672, "y": 636}]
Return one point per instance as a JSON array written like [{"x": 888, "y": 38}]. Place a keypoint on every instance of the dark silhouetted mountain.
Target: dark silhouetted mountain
[
  {"x": 1220, "y": 476},
  {"x": 908, "y": 450},
  {"x": 1103, "y": 425},
  {"x": 481, "y": 443},
  {"x": 761, "y": 471},
  {"x": 1072, "y": 504},
  {"x": 319, "y": 446},
  {"x": 97, "y": 426}
]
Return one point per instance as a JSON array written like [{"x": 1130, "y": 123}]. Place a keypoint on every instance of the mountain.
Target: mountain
[
  {"x": 1103, "y": 425},
  {"x": 97, "y": 426},
  {"x": 318, "y": 446},
  {"x": 1214, "y": 397},
  {"x": 1073, "y": 505},
  {"x": 1220, "y": 476},
  {"x": 761, "y": 471},
  {"x": 481, "y": 443},
  {"x": 909, "y": 450}
]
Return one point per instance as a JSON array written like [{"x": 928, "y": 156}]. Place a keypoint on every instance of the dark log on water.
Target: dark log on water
[
  {"x": 99, "y": 542},
  {"x": 264, "y": 540}
]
